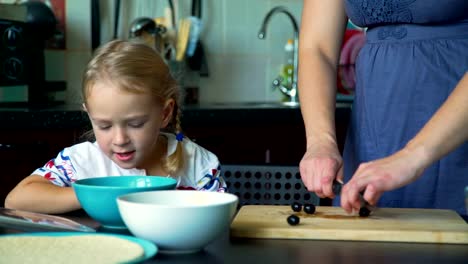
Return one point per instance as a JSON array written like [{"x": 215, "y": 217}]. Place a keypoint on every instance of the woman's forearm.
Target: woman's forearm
[
  {"x": 322, "y": 27},
  {"x": 317, "y": 96},
  {"x": 446, "y": 130}
]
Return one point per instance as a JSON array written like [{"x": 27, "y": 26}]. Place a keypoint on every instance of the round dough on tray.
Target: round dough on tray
[{"x": 68, "y": 249}]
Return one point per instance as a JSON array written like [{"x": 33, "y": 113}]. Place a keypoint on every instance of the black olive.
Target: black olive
[
  {"x": 293, "y": 219},
  {"x": 309, "y": 208},
  {"x": 364, "y": 212},
  {"x": 296, "y": 207}
]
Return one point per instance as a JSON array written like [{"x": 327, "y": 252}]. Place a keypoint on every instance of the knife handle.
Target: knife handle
[{"x": 336, "y": 187}]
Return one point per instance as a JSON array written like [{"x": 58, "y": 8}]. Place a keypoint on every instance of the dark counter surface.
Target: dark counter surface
[
  {"x": 72, "y": 115},
  {"x": 226, "y": 249},
  {"x": 64, "y": 116}
]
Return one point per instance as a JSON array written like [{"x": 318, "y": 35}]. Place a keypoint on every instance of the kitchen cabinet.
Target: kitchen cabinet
[
  {"x": 255, "y": 134},
  {"x": 24, "y": 150},
  {"x": 256, "y": 138},
  {"x": 31, "y": 136},
  {"x": 254, "y": 144}
]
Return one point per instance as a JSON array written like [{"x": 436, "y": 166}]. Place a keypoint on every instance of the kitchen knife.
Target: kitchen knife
[{"x": 336, "y": 188}]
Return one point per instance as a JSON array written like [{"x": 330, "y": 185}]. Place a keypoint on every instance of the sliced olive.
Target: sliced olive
[
  {"x": 309, "y": 208},
  {"x": 296, "y": 207},
  {"x": 364, "y": 212},
  {"x": 293, "y": 220}
]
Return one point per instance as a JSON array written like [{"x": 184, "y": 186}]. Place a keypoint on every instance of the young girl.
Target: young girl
[{"x": 130, "y": 97}]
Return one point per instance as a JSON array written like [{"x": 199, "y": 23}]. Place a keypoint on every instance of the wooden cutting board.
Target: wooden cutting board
[{"x": 333, "y": 223}]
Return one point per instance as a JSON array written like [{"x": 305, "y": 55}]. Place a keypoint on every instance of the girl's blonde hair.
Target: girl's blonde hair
[{"x": 137, "y": 68}]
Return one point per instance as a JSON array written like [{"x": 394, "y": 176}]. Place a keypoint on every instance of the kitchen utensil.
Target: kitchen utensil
[
  {"x": 41, "y": 19},
  {"x": 178, "y": 221},
  {"x": 140, "y": 25},
  {"x": 150, "y": 32},
  {"x": 173, "y": 10},
  {"x": 195, "y": 29},
  {"x": 198, "y": 61},
  {"x": 332, "y": 223},
  {"x": 336, "y": 188},
  {"x": 98, "y": 195},
  {"x": 29, "y": 221},
  {"x": 182, "y": 38},
  {"x": 95, "y": 24},
  {"x": 116, "y": 18}
]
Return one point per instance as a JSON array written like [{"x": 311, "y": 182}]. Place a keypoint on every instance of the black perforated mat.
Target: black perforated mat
[{"x": 270, "y": 185}]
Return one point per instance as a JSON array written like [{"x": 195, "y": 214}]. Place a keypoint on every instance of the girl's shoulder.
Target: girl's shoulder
[
  {"x": 191, "y": 149},
  {"x": 201, "y": 167}
]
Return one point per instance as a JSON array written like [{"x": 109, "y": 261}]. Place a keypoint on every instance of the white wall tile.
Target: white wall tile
[
  {"x": 213, "y": 39},
  {"x": 54, "y": 60},
  {"x": 75, "y": 64},
  {"x": 78, "y": 25},
  {"x": 107, "y": 19},
  {"x": 250, "y": 64},
  {"x": 236, "y": 13},
  {"x": 213, "y": 13}
]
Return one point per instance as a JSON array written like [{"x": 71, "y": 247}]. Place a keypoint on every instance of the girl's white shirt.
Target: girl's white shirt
[{"x": 86, "y": 160}]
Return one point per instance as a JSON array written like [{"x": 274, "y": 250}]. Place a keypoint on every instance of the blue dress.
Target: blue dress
[{"x": 416, "y": 51}]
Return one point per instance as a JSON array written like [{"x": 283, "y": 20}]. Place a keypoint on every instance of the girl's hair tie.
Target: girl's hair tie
[{"x": 180, "y": 136}]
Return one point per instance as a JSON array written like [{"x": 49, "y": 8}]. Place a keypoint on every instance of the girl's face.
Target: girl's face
[{"x": 127, "y": 125}]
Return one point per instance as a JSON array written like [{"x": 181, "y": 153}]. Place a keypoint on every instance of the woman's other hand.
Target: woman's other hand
[{"x": 378, "y": 176}]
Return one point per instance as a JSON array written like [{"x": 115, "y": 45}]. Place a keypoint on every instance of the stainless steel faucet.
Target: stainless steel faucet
[{"x": 291, "y": 92}]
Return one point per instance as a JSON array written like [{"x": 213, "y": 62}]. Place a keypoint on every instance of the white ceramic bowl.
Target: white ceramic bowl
[{"x": 178, "y": 221}]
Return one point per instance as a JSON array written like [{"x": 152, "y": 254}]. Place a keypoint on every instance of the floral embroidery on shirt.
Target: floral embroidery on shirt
[
  {"x": 59, "y": 170},
  {"x": 86, "y": 160},
  {"x": 212, "y": 181},
  {"x": 371, "y": 12},
  {"x": 49, "y": 176}
]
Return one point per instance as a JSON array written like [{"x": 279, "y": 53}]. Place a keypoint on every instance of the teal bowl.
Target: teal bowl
[{"x": 98, "y": 196}]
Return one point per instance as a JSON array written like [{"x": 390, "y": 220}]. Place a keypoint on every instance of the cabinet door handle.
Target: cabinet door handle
[
  {"x": 267, "y": 156},
  {"x": 6, "y": 146},
  {"x": 22, "y": 146}
]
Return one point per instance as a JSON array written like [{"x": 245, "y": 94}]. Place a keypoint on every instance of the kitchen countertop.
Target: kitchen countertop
[
  {"x": 229, "y": 250},
  {"x": 72, "y": 116}
]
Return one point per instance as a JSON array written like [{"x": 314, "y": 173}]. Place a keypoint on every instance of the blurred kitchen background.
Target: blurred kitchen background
[
  {"x": 240, "y": 66},
  {"x": 231, "y": 107}
]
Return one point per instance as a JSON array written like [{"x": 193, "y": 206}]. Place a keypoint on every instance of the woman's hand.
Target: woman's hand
[
  {"x": 323, "y": 24},
  {"x": 379, "y": 176},
  {"x": 321, "y": 164}
]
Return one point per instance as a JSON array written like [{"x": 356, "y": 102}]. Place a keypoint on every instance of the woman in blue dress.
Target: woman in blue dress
[{"x": 407, "y": 140}]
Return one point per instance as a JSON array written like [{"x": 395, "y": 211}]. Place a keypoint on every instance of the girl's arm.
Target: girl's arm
[
  {"x": 37, "y": 194},
  {"x": 321, "y": 35},
  {"x": 445, "y": 131}
]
